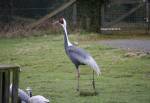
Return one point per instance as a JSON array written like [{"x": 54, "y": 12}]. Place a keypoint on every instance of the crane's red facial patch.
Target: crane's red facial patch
[{"x": 61, "y": 21}]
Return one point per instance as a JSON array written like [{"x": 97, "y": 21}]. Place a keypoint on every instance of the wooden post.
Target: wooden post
[
  {"x": 103, "y": 27},
  {"x": 1, "y": 78},
  {"x": 11, "y": 8},
  {"x": 53, "y": 13},
  {"x": 15, "y": 85},
  {"x": 74, "y": 16},
  {"x": 147, "y": 16},
  {"x": 102, "y": 18},
  {"x": 5, "y": 71},
  {"x": 6, "y": 84}
]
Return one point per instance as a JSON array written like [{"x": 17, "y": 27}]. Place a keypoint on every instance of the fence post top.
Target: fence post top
[{"x": 9, "y": 66}]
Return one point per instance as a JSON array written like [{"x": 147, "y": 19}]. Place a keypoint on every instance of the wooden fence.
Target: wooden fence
[{"x": 9, "y": 73}]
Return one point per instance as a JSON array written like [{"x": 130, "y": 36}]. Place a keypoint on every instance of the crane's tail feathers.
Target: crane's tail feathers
[{"x": 92, "y": 63}]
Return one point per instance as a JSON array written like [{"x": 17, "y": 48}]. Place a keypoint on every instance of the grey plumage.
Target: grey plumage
[
  {"x": 38, "y": 99},
  {"x": 78, "y": 55},
  {"x": 23, "y": 97}
]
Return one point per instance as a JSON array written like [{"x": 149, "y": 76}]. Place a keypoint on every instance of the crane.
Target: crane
[
  {"x": 78, "y": 56},
  {"x": 24, "y": 97}
]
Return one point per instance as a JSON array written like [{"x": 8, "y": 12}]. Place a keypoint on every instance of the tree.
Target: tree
[{"x": 89, "y": 14}]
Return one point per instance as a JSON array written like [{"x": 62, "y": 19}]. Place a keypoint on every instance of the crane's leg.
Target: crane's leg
[
  {"x": 93, "y": 82},
  {"x": 78, "y": 76}
]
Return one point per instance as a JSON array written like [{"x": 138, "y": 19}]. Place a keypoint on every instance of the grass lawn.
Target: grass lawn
[{"x": 49, "y": 72}]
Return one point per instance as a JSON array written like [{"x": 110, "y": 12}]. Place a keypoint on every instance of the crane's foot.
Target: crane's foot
[{"x": 77, "y": 89}]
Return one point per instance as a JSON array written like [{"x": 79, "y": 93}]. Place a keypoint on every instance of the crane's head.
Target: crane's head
[
  {"x": 62, "y": 22},
  {"x": 29, "y": 91}
]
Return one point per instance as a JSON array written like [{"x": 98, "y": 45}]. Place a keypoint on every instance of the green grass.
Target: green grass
[{"x": 49, "y": 72}]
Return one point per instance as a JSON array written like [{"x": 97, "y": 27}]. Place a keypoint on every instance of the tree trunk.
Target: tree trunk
[{"x": 89, "y": 15}]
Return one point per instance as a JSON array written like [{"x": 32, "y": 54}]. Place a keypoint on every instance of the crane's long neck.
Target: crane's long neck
[{"x": 66, "y": 40}]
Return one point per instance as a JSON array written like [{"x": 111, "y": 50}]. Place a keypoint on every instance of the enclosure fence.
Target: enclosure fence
[
  {"x": 117, "y": 16},
  {"x": 130, "y": 16}
]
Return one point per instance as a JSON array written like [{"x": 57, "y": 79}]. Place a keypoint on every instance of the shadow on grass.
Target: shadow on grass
[
  {"x": 85, "y": 93},
  {"x": 123, "y": 76}
]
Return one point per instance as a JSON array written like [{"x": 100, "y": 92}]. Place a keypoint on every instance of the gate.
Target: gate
[{"x": 125, "y": 16}]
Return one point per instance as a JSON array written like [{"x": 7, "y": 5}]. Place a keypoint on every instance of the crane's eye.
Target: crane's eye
[{"x": 61, "y": 21}]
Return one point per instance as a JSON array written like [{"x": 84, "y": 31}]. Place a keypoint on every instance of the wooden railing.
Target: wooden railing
[
  {"x": 8, "y": 74},
  {"x": 53, "y": 13}
]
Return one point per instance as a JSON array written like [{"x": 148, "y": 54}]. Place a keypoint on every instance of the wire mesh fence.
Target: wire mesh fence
[
  {"x": 125, "y": 17},
  {"x": 16, "y": 18},
  {"x": 117, "y": 16}
]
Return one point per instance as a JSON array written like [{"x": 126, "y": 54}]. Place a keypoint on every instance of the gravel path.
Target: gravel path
[{"x": 128, "y": 44}]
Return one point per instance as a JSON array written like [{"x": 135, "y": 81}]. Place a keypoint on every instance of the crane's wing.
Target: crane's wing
[{"x": 83, "y": 57}]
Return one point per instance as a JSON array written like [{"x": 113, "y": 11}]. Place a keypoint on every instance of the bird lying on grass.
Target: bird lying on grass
[{"x": 23, "y": 97}]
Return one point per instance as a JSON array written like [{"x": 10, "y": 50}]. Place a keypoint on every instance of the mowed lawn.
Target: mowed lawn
[{"x": 48, "y": 71}]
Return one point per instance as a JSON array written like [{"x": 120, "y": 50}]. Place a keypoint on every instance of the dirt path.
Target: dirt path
[{"x": 129, "y": 44}]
